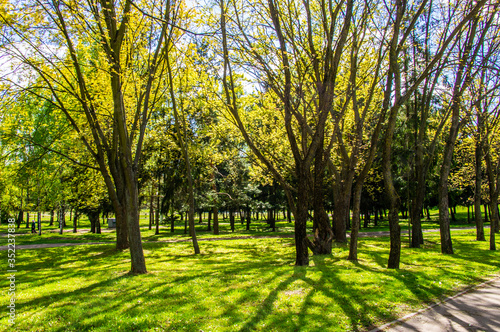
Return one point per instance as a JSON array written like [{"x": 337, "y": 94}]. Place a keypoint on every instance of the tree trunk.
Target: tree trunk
[
  {"x": 231, "y": 220},
  {"x": 75, "y": 221},
  {"x": 98, "y": 225},
  {"x": 323, "y": 234},
  {"x": 302, "y": 207},
  {"x": 249, "y": 218},
  {"x": 158, "y": 212},
  {"x": 92, "y": 218},
  {"x": 353, "y": 243},
  {"x": 477, "y": 191},
  {"x": 20, "y": 218},
  {"x": 151, "y": 208},
  {"x": 215, "y": 212}
]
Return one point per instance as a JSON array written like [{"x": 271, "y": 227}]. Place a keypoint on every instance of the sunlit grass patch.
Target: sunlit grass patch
[{"x": 237, "y": 285}]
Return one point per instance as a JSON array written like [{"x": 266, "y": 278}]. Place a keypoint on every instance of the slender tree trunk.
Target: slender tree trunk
[
  {"x": 249, "y": 218},
  {"x": 151, "y": 208},
  {"x": 353, "y": 243},
  {"x": 231, "y": 220},
  {"x": 215, "y": 212},
  {"x": 477, "y": 192}
]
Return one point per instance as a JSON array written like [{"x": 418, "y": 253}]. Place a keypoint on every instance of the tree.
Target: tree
[{"x": 100, "y": 41}]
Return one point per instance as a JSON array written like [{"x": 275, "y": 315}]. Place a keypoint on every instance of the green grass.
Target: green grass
[{"x": 237, "y": 285}]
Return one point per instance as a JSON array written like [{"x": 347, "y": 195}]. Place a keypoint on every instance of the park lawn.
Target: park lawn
[{"x": 236, "y": 285}]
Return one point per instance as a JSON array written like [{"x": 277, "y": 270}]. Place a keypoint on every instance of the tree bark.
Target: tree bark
[{"x": 477, "y": 191}]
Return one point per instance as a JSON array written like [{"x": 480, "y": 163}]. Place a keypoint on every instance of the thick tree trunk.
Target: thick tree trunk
[
  {"x": 302, "y": 207},
  {"x": 323, "y": 234},
  {"x": 138, "y": 262},
  {"x": 341, "y": 202}
]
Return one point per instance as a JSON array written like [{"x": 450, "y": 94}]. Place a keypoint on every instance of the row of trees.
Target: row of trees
[{"x": 327, "y": 100}]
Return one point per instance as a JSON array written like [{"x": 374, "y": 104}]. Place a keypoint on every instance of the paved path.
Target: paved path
[
  {"x": 361, "y": 234},
  {"x": 477, "y": 309}
]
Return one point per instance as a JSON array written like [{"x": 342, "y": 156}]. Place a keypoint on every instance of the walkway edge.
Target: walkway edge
[{"x": 429, "y": 307}]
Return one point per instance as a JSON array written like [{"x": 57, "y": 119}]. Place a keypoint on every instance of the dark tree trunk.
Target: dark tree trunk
[
  {"x": 20, "y": 218},
  {"x": 477, "y": 192},
  {"x": 158, "y": 212},
  {"x": 75, "y": 221},
  {"x": 453, "y": 215},
  {"x": 302, "y": 207},
  {"x": 353, "y": 243},
  {"x": 340, "y": 214},
  {"x": 200, "y": 220},
  {"x": 151, "y": 207},
  {"x": 98, "y": 225},
  {"x": 92, "y": 218},
  {"x": 51, "y": 218},
  {"x": 249, "y": 218}
]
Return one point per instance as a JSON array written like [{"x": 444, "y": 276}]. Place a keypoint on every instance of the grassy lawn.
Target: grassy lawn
[{"x": 238, "y": 285}]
